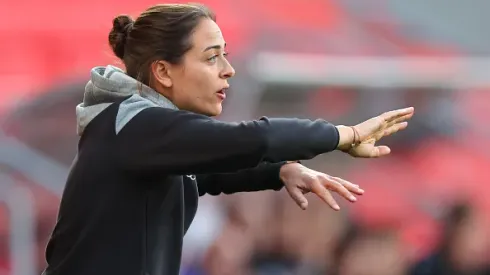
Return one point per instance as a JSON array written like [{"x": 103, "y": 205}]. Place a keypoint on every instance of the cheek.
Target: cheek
[
  {"x": 183, "y": 87},
  {"x": 194, "y": 88},
  {"x": 195, "y": 80}
]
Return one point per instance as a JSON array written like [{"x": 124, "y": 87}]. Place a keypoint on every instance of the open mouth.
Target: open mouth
[{"x": 222, "y": 94}]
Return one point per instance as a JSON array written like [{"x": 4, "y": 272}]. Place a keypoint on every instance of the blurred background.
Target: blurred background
[{"x": 427, "y": 207}]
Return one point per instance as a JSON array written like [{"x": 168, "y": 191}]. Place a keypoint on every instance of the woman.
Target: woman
[{"x": 149, "y": 148}]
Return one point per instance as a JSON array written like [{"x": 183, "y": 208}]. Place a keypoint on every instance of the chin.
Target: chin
[
  {"x": 213, "y": 111},
  {"x": 217, "y": 111}
]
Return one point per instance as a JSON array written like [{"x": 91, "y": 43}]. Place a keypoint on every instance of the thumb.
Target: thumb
[
  {"x": 298, "y": 197},
  {"x": 381, "y": 151}
]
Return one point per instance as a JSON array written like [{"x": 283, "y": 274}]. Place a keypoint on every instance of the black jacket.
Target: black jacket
[{"x": 133, "y": 189}]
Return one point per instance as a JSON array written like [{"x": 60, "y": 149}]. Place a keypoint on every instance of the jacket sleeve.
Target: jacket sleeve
[
  {"x": 180, "y": 142},
  {"x": 263, "y": 177}
]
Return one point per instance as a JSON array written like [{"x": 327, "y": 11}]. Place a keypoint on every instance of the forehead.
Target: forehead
[{"x": 207, "y": 33}]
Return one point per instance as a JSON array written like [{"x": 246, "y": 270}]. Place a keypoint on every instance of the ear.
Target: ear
[{"x": 161, "y": 73}]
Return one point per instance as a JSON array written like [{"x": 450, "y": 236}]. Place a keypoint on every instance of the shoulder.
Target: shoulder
[
  {"x": 130, "y": 108},
  {"x": 137, "y": 114}
]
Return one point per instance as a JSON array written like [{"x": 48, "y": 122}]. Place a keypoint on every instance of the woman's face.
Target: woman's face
[{"x": 200, "y": 81}]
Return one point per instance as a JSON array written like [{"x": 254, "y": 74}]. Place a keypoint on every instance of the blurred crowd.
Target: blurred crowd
[{"x": 283, "y": 240}]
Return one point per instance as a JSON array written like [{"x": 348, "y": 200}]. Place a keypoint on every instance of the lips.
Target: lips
[{"x": 221, "y": 94}]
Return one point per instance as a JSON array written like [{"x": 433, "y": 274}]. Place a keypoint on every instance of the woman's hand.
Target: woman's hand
[
  {"x": 360, "y": 140},
  {"x": 300, "y": 180}
]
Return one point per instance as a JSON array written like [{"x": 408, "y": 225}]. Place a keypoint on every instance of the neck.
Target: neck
[{"x": 156, "y": 97}]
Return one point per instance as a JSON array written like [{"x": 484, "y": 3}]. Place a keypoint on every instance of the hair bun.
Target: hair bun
[{"x": 121, "y": 26}]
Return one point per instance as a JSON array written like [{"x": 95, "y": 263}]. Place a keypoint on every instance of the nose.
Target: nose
[{"x": 228, "y": 71}]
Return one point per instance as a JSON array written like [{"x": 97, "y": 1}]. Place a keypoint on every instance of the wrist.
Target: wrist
[
  {"x": 286, "y": 168},
  {"x": 346, "y": 137}
]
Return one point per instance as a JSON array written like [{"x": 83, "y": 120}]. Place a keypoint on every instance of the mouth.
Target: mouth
[{"x": 221, "y": 94}]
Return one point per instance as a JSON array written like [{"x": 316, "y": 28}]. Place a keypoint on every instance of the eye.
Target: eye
[{"x": 212, "y": 58}]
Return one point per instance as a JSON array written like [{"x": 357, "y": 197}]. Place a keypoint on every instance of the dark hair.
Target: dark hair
[{"x": 162, "y": 32}]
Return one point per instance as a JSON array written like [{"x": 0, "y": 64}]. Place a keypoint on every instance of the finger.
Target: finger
[
  {"x": 395, "y": 128},
  {"x": 399, "y": 120},
  {"x": 299, "y": 198},
  {"x": 402, "y": 118},
  {"x": 350, "y": 186},
  {"x": 392, "y": 115},
  {"x": 336, "y": 186},
  {"x": 323, "y": 193}
]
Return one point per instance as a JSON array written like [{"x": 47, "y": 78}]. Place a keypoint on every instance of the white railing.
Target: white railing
[
  {"x": 324, "y": 70},
  {"x": 19, "y": 202}
]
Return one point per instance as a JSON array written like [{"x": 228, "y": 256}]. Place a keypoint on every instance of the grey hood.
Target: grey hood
[{"x": 109, "y": 84}]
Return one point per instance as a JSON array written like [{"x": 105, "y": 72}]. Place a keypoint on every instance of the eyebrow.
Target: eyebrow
[{"x": 216, "y": 47}]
